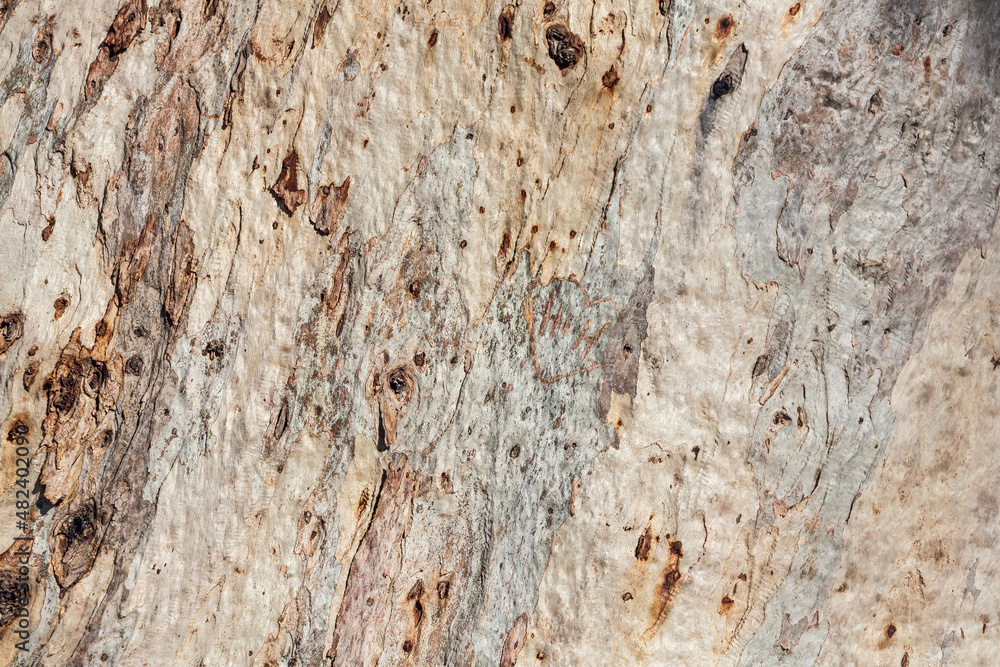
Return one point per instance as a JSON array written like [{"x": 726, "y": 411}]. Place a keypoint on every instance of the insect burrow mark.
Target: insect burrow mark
[
  {"x": 443, "y": 589},
  {"x": 380, "y": 442},
  {"x": 400, "y": 384},
  {"x": 281, "y": 421},
  {"x": 11, "y": 328},
  {"x": 505, "y": 23},
  {"x": 610, "y": 78},
  {"x": 565, "y": 48},
  {"x": 504, "y": 245},
  {"x": 134, "y": 365},
  {"x": 214, "y": 349},
  {"x": 731, "y": 77}
]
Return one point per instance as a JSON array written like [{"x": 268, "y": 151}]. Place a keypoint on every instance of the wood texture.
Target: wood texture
[{"x": 459, "y": 333}]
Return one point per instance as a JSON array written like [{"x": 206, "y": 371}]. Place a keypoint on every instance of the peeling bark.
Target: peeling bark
[{"x": 552, "y": 333}]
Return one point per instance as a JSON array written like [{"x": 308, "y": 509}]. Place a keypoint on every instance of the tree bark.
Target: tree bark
[{"x": 443, "y": 333}]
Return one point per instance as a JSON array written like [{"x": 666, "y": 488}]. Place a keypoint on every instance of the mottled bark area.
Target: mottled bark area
[{"x": 572, "y": 333}]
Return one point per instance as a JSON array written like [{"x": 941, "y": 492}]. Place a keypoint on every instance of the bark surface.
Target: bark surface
[{"x": 522, "y": 333}]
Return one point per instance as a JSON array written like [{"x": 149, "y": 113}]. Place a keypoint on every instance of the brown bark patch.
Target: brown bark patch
[
  {"x": 328, "y": 207},
  {"x": 645, "y": 545},
  {"x": 47, "y": 232},
  {"x": 321, "y": 22},
  {"x": 75, "y": 543},
  {"x": 286, "y": 189},
  {"x": 15, "y": 586},
  {"x": 514, "y": 641},
  {"x": 505, "y": 23},
  {"x": 59, "y": 307},
  {"x": 127, "y": 24},
  {"x": 30, "y": 373},
  {"x": 610, "y": 78},
  {"x": 373, "y": 570}
]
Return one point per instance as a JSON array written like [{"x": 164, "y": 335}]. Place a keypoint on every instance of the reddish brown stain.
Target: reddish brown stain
[
  {"x": 794, "y": 9},
  {"x": 432, "y": 40},
  {"x": 666, "y": 591},
  {"x": 890, "y": 630},
  {"x": 725, "y": 606},
  {"x": 415, "y": 600},
  {"x": 416, "y": 596},
  {"x": 897, "y": 49},
  {"x": 724, "y": 26}
]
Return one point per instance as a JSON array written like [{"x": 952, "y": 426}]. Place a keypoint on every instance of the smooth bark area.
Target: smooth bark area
[{"x": 658, "y": 332}]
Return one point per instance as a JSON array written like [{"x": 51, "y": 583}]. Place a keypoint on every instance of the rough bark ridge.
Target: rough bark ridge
[{"x": 572, "y": 333}]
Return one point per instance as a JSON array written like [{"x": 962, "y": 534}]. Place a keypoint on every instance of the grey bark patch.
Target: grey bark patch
[
  {"x": 873, "y": 248},
  {"x": 624, "y": 346}
]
